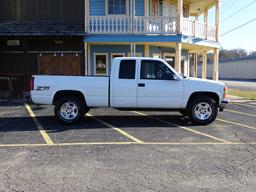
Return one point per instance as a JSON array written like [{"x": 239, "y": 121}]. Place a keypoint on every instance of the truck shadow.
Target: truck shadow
[{"x": 51, "y": 124}]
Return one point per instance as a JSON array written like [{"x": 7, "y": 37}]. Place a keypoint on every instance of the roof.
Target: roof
[
  {"x": 36, "y": 28},
  {"x": 239, "y": 59}
]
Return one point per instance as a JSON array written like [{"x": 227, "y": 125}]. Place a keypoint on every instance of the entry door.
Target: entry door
[{"x": 156, "y": 86}]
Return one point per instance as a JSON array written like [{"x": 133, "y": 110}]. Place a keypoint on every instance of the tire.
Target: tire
[
  {"x": 184, "y": 112},
  {"x": 203, "y": 110},
  {"x": 70, "y": 110}
]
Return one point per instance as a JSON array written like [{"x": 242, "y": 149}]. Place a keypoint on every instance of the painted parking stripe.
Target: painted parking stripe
[
  {"x": 122, "y": 132},
  {"x": 8, "y": 111},
  {"x": 235, "y": 123},
  {"x": 238, "y": 112},
  {"x": 125, "y": 143},
  {"x": 246, "y": 105},
  {"x": 182, "y": 127},
  {"x": 39, "y": 126}
]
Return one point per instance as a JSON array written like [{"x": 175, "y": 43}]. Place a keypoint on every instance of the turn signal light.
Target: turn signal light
[{"x": 225, "y": 92}]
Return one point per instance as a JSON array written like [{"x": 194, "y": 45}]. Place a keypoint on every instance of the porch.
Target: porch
[{"x": 149, "y": 25}]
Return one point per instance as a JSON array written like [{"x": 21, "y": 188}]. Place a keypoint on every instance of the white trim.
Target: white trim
[
  {"x": 94, "y": 63},
  {"x": 89, "y": 58}
]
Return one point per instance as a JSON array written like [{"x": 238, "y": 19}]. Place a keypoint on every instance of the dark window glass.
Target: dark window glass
[
  {"x": 127, "y": 69},
  {"x": 151, "y": 69},
  {"x": 116, "y": 6}
]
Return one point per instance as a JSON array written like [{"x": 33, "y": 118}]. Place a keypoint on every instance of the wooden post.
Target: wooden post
[
  {"x": 217, "y": 19},
  {"x": 178, "y": 57},
  {"x": 180, "y": 16},
  {"x": 204, "y": 64},
  {"x": 146, "y": 50},
  {"x": 206, "y": 23},
  {"x": 216, "y": 65}
]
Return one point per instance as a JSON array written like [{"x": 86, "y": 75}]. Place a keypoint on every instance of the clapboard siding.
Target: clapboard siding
[{"x": 45, "y": 10}]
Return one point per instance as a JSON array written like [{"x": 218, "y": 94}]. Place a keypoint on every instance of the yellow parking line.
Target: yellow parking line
[
  {"x": 124, "y": 143},
  {"x": 39, "y": 126},
  {"x": 242, "y": 113},
  {"x": 117, "y": 129},
  {"x": 235, "y": 123},
  {"x": 182, "y": 127}
]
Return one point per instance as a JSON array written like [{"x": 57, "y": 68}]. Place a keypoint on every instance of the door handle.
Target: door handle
[{"x": 141, "y": 85}]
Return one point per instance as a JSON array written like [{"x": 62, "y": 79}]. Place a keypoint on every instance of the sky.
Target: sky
[{"x": 244, "y": 37}]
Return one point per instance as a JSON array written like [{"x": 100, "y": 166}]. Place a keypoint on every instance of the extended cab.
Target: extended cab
[{"x": 134, "y": 83}]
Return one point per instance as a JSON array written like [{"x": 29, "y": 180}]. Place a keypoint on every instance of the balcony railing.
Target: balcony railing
[{"x": 148, "y": 25}]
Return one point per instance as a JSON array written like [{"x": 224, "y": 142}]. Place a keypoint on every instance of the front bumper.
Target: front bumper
[{"x": 223, "y": 104}]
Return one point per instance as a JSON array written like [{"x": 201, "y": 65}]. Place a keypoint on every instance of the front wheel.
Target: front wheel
[
  {"x": 203, "y": 110},
  {"x": 69, "y": 110}
]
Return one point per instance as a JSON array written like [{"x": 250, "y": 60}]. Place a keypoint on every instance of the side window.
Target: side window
[
  {"x": 151, "y": 69},
  {"x": 127, "y": 69}
]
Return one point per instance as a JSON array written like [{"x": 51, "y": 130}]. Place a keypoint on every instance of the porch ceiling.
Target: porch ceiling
[{"x": 197, "y": 7}]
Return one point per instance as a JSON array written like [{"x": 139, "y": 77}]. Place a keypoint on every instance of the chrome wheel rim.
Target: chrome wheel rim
[
  {"x": 203, "y": 111},
  {"x": 69, "y": 111}
]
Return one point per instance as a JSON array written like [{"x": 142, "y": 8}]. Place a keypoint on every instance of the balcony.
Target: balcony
[{"x": 148, "y": 25}]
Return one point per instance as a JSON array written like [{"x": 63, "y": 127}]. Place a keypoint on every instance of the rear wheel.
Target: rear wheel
[
  {"x": 203, "y": 110},
  {"x": 70, "y": 110}
]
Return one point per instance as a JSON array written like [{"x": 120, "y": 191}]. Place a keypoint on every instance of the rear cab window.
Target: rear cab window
[{"x": 127, "y": 69}]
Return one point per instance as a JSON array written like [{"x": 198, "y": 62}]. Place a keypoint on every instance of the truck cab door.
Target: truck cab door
[
  {"x": 124, "y": 86},
  {"x": 158, "y": 86}
]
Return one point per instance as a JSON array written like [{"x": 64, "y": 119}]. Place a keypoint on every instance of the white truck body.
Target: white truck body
[{"x": 137, "y": 92}]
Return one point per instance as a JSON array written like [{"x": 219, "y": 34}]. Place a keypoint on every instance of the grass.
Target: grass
[{"x": 245, "y": 94}]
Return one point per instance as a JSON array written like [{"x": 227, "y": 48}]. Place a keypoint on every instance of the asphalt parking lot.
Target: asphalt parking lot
[{"x": 114, "y": 150}]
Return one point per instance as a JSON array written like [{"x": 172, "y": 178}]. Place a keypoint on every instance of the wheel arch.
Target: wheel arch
[
  {"x": 69, "y": 93},
  {"x": 212, "y": 95}
]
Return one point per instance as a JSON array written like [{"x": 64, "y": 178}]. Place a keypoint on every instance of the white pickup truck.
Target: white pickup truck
[{"x": 134, "y": 83}]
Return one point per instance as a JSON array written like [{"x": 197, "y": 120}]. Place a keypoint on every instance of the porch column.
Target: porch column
[
  {"x": 133, "y": 50},
  {"x": 216, "y": 65},
  {"x": 195, "y": 65},
  {"x": 85, "y": 59},
  {"x": 180, "y": 16},
  {"x": 204, "y": 64},
  {"x": 146, "y": 7},
  {"x": 206, "y": 23},
  {"x": 178, "y": 57},
  {"x": 86, "y": 8},
  {"x": 146, "y": 50},
  {"x": 217, "y": 19}
]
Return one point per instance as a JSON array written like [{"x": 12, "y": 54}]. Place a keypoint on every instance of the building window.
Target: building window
[
  {"x": 170, "y": 59},
  {"x": 117, "y": 7},
  {"x": 157, "y": 55},
  {"x": 114, "y": 55},
  {"x": 100, "y": 64},
  {"x": 137, "y": 54},
  {"x": 127, "y": 69}
]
